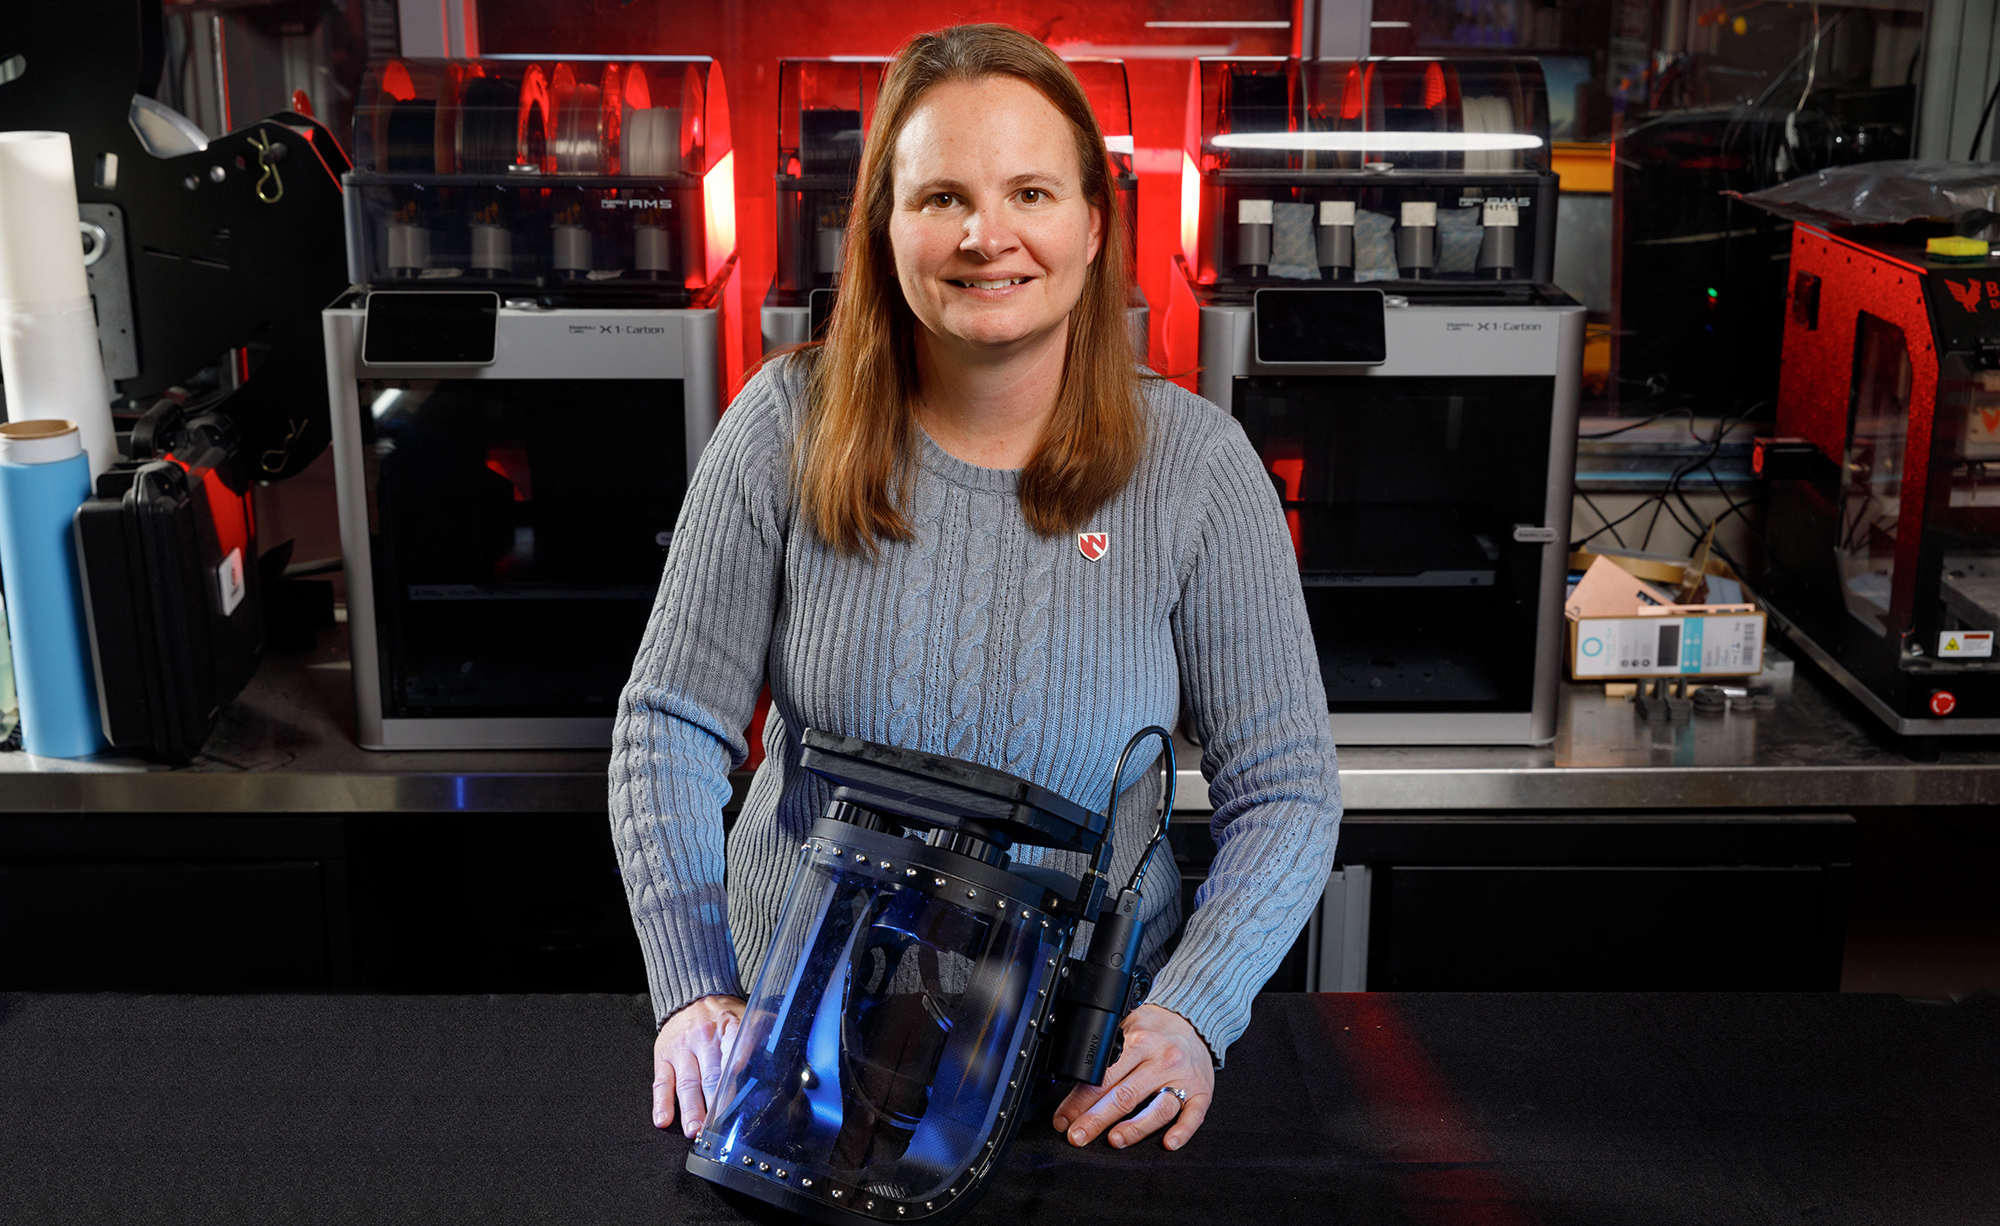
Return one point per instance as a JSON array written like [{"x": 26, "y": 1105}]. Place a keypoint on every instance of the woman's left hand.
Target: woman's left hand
[{"x": 1161, "y": 1050}]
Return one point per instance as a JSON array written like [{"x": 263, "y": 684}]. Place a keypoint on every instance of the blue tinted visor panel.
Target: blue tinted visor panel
[{"x": 888, "y": 1023}]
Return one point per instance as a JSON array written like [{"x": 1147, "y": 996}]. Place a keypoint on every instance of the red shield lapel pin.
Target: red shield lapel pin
[{"x": 1093, "y": 544}]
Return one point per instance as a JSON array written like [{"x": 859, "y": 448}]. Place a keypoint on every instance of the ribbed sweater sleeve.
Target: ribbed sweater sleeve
[
  {"x": 693, "y": 688},
  {"x": 1251, "y": 687}
]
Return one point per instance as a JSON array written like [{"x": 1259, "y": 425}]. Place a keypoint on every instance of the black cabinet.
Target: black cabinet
[
  {"x": 172, "y": 903},
  {"x": 532, "y": 902},
  {"x": 377, "y": 902},
  {"x": 1617, "y": 902}
]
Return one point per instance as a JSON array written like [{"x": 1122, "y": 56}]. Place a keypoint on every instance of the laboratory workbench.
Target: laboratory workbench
[
  {"x": 1381, "y": 1108},
  {"x": 287, "y": 746}
]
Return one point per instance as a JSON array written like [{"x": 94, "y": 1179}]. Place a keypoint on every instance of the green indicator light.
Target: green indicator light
[{"x": 1711, "y": 292}]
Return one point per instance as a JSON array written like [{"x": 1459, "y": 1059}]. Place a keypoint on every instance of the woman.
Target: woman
[{"x": 969, "y": 524}]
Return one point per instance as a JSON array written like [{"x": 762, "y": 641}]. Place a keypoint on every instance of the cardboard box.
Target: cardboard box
[{"x": 1670, "y": 641}]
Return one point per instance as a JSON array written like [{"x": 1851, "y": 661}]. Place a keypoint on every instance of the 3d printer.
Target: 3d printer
[
  {"x": 1882, "y": 557},
  {"x": 1367, "y": 249},
  {"x": 522, "y": 381},
  {"x": 824, "y": 109}
]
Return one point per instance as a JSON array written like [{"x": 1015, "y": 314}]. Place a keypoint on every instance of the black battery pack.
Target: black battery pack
[{"x": 169, "y": 560}]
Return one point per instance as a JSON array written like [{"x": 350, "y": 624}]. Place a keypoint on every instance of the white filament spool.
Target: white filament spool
[
  {"x": 1487, "y": 116},
  {"x": 652, "y": 140},
  {"x": 49, "y": 356}
]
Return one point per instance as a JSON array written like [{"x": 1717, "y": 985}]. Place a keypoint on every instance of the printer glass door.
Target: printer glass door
[
  {"x": 1962, "y": 515},
  {"x": 1401, "y": 496},
  {"x": 517, "y": 528}
]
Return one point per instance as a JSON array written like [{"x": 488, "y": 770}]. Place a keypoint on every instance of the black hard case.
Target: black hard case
[{"x": 168, "y": 658}]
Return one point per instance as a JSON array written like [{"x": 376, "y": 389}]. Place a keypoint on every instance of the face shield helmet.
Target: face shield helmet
[{"x": 918, "y": 986}]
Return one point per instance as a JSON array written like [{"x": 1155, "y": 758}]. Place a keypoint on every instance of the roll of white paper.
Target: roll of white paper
[
  {"x": 49, "y": 355},
  {"x": 41, "y": 248}
]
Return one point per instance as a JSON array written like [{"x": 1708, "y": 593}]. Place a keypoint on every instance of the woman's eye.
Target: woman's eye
[
  {"x": 942, "y": 200},
  {"x": 1033, "y": 195}
]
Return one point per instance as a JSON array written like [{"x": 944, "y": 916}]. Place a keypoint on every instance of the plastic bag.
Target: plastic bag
[{"x": 1886, "y": 194}]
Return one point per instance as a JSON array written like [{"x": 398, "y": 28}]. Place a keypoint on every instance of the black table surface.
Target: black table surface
[{"x": 1493, "y": 1110}]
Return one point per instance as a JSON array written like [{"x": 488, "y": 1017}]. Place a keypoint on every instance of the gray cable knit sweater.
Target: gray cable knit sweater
[{"x": 981, "y": 640}]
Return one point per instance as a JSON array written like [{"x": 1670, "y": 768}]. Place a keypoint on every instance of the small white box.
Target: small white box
[
  {"x": 1253, "y": 212},
  {"x": 1708, "y": 645},
  {"x": 1500, "y": 213},
  {"x": 1420, "y": 212}
]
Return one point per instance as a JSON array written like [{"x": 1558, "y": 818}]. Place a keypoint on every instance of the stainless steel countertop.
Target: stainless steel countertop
[{"x": 287, "y": 746}]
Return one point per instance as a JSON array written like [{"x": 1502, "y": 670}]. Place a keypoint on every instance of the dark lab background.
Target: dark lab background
[{"x": 1657, "y": 106}]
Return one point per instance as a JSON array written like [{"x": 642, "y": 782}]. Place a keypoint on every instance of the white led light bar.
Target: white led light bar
[{"x": 1378, "y": 142}]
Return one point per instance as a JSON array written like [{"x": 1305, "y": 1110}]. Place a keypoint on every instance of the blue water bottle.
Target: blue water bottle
[{"x": 44, "y": 478}]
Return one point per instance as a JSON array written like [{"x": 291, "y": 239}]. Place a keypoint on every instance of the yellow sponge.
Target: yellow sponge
[{"x": 1957, "y": 250}]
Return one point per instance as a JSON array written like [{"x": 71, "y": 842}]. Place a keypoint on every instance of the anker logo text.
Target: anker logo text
[{"x": 1492, "y": 325}]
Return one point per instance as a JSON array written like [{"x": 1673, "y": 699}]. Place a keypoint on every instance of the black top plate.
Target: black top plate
[{"x": 953, "y": 790}]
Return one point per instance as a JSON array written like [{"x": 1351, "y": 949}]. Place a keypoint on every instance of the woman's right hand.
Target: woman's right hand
[{"x": 687, "y": 1060}]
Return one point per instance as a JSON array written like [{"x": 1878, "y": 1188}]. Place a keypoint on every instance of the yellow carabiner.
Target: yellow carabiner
[{"x": 271, "y": 186}]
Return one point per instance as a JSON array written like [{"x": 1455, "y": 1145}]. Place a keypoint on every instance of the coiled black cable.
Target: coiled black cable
[{"x": 1166, "y": 798}]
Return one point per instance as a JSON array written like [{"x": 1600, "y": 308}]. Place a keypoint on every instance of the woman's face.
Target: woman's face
[{"x": 991, "y": 231}]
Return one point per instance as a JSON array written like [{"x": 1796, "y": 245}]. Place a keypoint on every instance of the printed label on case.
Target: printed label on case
[{"x": 229, "y": 581}]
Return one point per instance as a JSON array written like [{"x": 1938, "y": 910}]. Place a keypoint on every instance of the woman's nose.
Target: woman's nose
[{"x": 987, "y": 235}]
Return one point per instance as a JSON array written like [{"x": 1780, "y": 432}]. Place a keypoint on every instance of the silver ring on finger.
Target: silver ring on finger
[{"x": 1177, "y": 1093}]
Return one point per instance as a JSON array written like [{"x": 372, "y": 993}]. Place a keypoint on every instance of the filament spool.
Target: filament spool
[
  {"x": 653, "y": 142},
  {"x": 537, "y": 119},
  {"x": 581, "y": 136},
  {"x": 411, "y": 138},
  {"x": 489, "y": 126},
  {"x": 1483, "y": 116},
  {"x": 829, "y": 141}
]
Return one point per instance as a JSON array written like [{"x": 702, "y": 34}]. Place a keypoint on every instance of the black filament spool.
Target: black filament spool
[
  {"x": 829, "y": 141},
  {"x": 411, "y": 138},
  {"x": 489, "y": 126}
]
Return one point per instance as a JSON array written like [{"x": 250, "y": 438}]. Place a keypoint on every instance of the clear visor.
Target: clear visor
[{"x": 884, "y": 1034}]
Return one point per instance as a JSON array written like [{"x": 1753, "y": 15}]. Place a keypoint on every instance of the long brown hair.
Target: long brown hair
[{"x": 857, "y": 453}]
